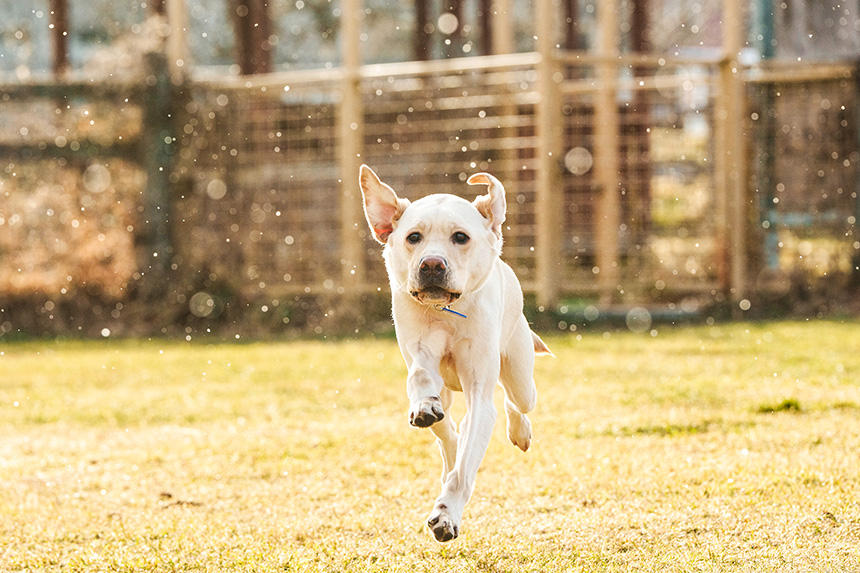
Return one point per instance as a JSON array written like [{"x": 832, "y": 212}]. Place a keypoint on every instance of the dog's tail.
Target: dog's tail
[{"x": 540, "y": 346}]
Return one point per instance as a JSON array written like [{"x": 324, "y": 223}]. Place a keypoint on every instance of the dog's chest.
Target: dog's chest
[{"x": 449, "y": 373}]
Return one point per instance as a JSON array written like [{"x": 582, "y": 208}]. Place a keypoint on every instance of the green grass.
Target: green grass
[{"x": 733, "y": 447}]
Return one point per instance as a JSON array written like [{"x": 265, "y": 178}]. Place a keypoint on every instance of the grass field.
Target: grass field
[{"x": 732, "y": 447}]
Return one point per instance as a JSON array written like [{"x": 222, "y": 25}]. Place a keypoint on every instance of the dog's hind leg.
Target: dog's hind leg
[
  {"x": 517, "y": 379},
  {"x": 446, "y": 435}
]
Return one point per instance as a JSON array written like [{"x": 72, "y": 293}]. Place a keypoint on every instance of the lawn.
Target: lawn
[{"x": 731, "y": 447}]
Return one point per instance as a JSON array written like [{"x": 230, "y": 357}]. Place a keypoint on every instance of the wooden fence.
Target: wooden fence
[
  {"x": 630, "y": 177},
  {"x": 634, "y": 176}
]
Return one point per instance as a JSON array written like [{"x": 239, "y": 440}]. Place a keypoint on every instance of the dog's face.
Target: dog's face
[{"x": 441, "y": 246}]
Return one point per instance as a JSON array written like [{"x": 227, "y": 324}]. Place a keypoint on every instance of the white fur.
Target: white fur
[{"x": 445, "y": 352}]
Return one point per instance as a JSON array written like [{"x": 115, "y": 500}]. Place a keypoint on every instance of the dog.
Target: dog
[{"x": 458, "y": 316}]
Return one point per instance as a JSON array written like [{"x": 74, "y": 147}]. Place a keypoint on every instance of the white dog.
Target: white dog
[{"x": 458, "y": 315}]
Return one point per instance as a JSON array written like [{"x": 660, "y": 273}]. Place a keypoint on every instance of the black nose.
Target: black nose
[{"x": 432, "y": 268}]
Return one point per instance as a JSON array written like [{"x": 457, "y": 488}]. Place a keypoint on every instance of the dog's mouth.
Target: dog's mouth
[{"x": 434, "y": 295}]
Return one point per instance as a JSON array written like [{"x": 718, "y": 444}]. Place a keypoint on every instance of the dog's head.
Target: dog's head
[{"x": 441, "y": 246}]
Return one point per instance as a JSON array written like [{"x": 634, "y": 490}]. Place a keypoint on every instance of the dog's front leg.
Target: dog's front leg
[
  {"x": 446, "y": 436},
  {"x": 424, "y": 381},
  {"x": 478, "y": 373}
]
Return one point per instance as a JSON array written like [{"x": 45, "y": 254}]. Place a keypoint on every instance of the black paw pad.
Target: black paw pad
[
  {"x": 424, "y": 418},
  {"x": 443, "y": 534}
]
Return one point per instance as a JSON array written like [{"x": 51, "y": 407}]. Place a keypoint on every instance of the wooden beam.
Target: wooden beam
[
  {"x": 548, "y": 126},
  {"x": 606, "y": 161},
  {"x": 731, "y": 161},
  {"x": 499, "y": 63},
  {"x": 59, "y": 37},
  {"x": 502, "y": 24},
  {"x": 178, "y": 60},
  {"x": 498, "y": 23},
  {"x": 351, "y": 143}
]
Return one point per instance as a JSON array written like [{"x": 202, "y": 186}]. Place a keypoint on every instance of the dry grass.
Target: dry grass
[{"x": 732, "y": 447}]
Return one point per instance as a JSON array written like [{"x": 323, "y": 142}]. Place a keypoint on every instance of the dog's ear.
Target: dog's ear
[
  {"x": 492, "y": 205},
  {"x": 382, "y": 206}
]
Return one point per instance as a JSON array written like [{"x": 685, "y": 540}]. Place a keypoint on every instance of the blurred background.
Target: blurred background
[{"x": 188, "y": 167}]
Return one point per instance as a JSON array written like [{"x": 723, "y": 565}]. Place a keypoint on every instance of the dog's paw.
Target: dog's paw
[
  {"x": 519, "y": 430},
  {"x": 426, "y": 412},
  {"x": 442, "y": 524}
]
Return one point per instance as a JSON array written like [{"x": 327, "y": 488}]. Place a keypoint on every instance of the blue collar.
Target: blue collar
[{"x": 451, "y": 310}]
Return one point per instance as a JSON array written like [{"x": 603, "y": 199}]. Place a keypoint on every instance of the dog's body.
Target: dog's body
[{"x": 441, "y": 251}]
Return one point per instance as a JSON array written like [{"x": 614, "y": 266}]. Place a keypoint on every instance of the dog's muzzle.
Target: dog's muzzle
[{"x": 432, "y": 282}]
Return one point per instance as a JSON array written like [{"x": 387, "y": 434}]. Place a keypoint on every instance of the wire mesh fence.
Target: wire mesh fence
[
  {"x": 257, "y": 196},
  {"x": 804, "y": 177},
  {"x": 263, "y": 193},
  {"x": 426, "y": 133}
]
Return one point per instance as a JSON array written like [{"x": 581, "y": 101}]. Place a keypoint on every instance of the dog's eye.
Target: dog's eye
[
  {"x": 460, "y": 238},
  {"x": 413, "y": 238}
]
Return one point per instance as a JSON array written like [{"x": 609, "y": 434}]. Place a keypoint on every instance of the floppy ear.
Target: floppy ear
[
  {"x": 492, "y": 205},
  {"x": 382, "y": 206}
]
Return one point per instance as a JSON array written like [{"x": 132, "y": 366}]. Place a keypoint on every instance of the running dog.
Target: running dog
[{"x": 458, "y": 315}]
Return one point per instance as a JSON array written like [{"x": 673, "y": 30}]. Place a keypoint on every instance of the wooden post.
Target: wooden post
[
  {"x": 606, "y": 161},
  {"x": 60, "y": 37},
  {"x": 721, "y": 188},
  {"x": 498, "y": 25},
  {"x": 178, "y": 61},
  {"x": 548, "y": 203},
  {"x": 156, "y": 152},
  {"x": 731, "y": 167},
  {"x": 855, "y": 230},
  {"x": 351, "y": 131},
  {"x": 501, "y": 18}
]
